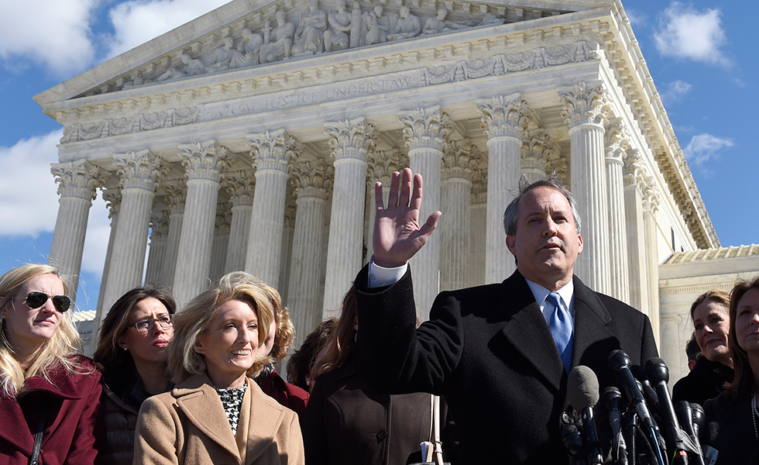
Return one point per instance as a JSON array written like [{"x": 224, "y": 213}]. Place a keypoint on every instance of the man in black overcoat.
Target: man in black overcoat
[{"x": 489, "y": 349}]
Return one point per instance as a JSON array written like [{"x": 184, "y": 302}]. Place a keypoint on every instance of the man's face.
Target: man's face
[{"x": 546, "y": 243}]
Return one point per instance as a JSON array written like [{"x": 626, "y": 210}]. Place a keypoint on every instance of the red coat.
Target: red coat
[
  {"x": 72, "y": 429},
  {"x": 288, "y": 395}
]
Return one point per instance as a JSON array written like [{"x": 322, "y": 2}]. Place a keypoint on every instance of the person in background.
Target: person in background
[
  {"x": 731, "y": 417},
  {"x": 49, "y": 395},
  {"x": 692, "y": 351},
  {"x": 132, "y": 352},
  {"x": 349, "y": 423},
  {"x": 302, "y": 361},
  {"x": 711, "y": 321},
  {"x": 216, "y": 413}
]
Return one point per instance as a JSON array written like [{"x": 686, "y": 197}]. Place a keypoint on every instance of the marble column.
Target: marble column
[
  {"x": 537, "y": 149},
  {"x": 159, "y": 230},
  {"x": 617, "y": 142},
  {"x": 382, "y": 164},
  {"x": 503, "y": 120},
  {"x": 221, "y": 234},
  {"x": 272, "y": 152},
  {"x": 112, "y": 199},
  {"x": 240, "y": 187},
  {"x": 651, "y": 202},
  {"x": 288, "y": 228},
  {"x": 176, "y": 195},
  {"x": 635, "y": 176},
  {"x": 459, "y": 161},
  {"x": 78, "y": 181},
  {"x": 350, "y": 143},
  {"x": 203, "y": 164},
  {"x": 140, "y": 173},
  {"x": 477, "y": 232},
  {"x": 313, "y": 183},
  {"x": 584, "y": 111},
  {"x": 426, "y": 132}
]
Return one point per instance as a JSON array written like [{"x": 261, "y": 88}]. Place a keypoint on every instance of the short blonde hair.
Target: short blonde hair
[
  {"x": 53, "y": 353},
  {"x": 196, "y": 317}
]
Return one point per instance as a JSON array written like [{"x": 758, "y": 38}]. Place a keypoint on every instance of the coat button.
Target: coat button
[{"x": 381, "y": 435}]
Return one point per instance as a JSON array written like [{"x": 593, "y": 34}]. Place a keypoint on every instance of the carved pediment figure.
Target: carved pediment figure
[
  {"x": 406, "y": 27},
  {"x": 221, "y": 57},
  {"x": 247, "y": 50},
  {"x": 189, "y": 67},
  {"x": 336, "y": 37},
  {"x": 278, "y": 42},
  {"x": 308, "y": 36},
  {"x": 490, "y": 20},
  {"x": 358, "y": 28},
  {"x": 377, "y": 26}
]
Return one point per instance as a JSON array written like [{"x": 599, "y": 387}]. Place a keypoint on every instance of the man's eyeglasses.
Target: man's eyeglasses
[
  {"x": 147, "y": 325},
  {"x": 38, "y": 299}
]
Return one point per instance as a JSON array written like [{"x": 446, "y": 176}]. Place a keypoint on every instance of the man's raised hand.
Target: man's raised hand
[{"x": 397, "y": 234}]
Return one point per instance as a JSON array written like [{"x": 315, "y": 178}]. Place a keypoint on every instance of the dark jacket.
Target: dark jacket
[
  {"x": 489, "y": 351},
  {"x": 348, "y": 423},
  {"x": 72, "y": 433},
  {"x": 733, "y": 435},
  {"x": 704, "y": 382},
  {"x": 288, "y": 395}
]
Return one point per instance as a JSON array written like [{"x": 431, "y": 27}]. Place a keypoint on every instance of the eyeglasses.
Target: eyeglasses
[
  {"x": 38, "y": 299},
  {"x": 147, "y": 325}
]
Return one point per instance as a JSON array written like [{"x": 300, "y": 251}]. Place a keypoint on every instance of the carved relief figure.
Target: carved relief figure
[
  {"x": 358, "y": 30},
  {"x": 247, "y": 50},
  {"x": 191, "y": 67},
  {"x": 439, "y": 24},
  {"x": 137, "y": 80},
  {"x": 278, "y": 42},
  {"x": 377, "y": 26},
  {"x": 222, "y": 56},
  {"x": 406, "y": 27},
  {"x": 490, "y": 19},
  {"x": 310, "y": 31},
  {"x": 336, "y": 38}
]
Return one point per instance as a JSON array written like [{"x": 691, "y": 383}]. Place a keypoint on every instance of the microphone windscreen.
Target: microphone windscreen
[
  {"x": 582, "y": 387},
  {"x": 657, "y": 371}
]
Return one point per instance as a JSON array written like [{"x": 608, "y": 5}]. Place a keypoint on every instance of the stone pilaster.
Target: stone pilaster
[
  {"x": 220, "y": 240},
  {"x": 272, "y": 153},
  {"x": 350, "y": 143},
  {"x": 651, "y": 202},
  {"x": 203, "y": 164},
  {"x": 313, "y": 183},
  {"x": 176, "y": 195},
  {"x": 140, "y": 173},
  {"x": 585, "y": 108},
  {"x": 478, "y": 229},
  {"x": 537, "y": 150},
  {"x": 617, "y": 142},
  {"x": 382, "y": 164},
  {"x": 240, "y": 187},
  {"x": 112, "y": 199},
  {"x": 77, "y": 184},
  {"x": 635, "y": 175},
  {"x": 159, "y": 231},
  {"x": 426, "y": 132},
  {"x": 503, "y": 120}
]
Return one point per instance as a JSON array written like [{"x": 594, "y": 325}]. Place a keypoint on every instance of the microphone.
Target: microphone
[
  {"x": 582, "y": 390},
  {"x": 610, "y": 401},
  {"x": 698, "y": 417},
  {"x": 685, "y": 415},
  {"x": 658, "y": 374},
  {"x": 620, "y": 363},
  {"x": 652, "y": 400},
  {"x": 572, "y": 440}
]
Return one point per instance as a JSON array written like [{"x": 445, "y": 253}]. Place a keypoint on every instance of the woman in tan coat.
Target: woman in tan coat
[{"x": 216, "y": 414}]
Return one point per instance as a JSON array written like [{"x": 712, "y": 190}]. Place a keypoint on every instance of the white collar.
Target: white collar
[{"x": 540, "y": 293}]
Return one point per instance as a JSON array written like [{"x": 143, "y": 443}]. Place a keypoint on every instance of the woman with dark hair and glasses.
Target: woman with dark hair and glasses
[
  {"x": 132, "y": 353},
  {"x": 49, "y": 395}
]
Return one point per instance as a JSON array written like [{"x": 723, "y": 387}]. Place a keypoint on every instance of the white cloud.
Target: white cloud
[
  {"x": 704, "y": 147},
  {"x": 637, "y": 18},
  {"x": 138, "y": 21},
  {"x": 675, "y": 91},
  {"x": 55, "y": 34},
  {"x": 687, "y": 33}
]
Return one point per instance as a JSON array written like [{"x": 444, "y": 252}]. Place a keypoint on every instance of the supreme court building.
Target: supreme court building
[{"x": 250, "y": 139}]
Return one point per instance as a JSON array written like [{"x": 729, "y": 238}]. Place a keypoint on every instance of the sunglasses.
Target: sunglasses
[{"x": 38, "y": 299}]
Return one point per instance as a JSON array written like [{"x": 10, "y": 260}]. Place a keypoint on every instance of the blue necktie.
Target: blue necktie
[{"x": 561, "y": 328}]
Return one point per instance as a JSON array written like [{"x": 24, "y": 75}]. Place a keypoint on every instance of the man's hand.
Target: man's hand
[{"x": 397, "y": 234}]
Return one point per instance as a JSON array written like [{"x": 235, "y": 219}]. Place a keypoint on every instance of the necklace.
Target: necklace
[{"x": 754, "y": 414}]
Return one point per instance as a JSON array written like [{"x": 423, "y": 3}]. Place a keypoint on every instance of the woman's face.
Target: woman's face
[
  {"x": 29, "y": 328},
  {"x": 230, "y": 344},
  {"x": 747, "y": 322},
  {"x": 712, "y": 323},
  {"x": 148, "y": 346}
]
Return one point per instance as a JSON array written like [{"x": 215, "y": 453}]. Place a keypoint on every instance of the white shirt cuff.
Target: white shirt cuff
[{"x": 381, "y": 277}]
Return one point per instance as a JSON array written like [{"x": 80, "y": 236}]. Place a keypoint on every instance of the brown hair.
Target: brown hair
[
  {"x": 742, "y": 386},
  {"x": 340, "y": 344},
  {"x": 719, "y": 296},
  {"x": 302, "y": 360}
]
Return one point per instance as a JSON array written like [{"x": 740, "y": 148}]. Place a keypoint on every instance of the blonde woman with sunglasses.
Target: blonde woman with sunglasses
[{"x": 49, "y": 396}]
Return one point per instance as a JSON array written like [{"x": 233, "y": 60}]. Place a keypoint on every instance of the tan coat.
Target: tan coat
[{"x": 188, "y": 426}]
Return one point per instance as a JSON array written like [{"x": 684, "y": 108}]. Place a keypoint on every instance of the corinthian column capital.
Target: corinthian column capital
[
  {"x": 479, "y": 193},
  {"x": 159, "y": 224},
  {"x": 382, "y": 164},
  {"x": 616, "y": 140},
  {"x": 312, "y": 178},
  {"x": 504, "y": 116},
  {"x": 112, "y": 199},
  {"x": 584, "y": 104},
  {"x": 78, "y": 179},
  {"x": 272, "y": 151},
  {"x": 240, "y": 186},
  {"x": 425, "y": 128},
  {"x": 176, "y": 195},
  {"x": 460, "y": 158},
  {"x": 140, "y": 170},
  {"x": 651, "y": 197},
  {"x": 538, "y": 149},
  {"x": 223, "y": 218},
  {"x": 353, "y": 139},
  {"x": 203, "y": 160},
  {"x": 635, "y": 172}
]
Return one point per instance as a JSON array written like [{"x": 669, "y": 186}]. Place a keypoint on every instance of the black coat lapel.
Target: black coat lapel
[{"x": 592, "y": 323}]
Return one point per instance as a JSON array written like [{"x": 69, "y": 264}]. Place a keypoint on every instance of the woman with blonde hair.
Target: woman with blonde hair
[
  {"x": 49, "y": 395},
  {"x": 216, "y": 413}
]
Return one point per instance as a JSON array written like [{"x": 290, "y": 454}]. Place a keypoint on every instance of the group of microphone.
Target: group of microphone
[{"x": 645, "y": 427}]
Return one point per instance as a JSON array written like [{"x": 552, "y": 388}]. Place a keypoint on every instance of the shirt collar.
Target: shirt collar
[{"x": 540, "y": 293}]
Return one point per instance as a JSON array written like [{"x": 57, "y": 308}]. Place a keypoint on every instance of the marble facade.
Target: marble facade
[{"x": 250, "y": 139}]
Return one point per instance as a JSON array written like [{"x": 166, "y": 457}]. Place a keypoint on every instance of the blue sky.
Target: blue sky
[{"x": 701, "y": 55}]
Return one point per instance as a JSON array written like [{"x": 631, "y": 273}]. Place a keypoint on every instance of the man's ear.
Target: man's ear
[
  {"x": 511, "y": 244},
  {"x": 579, "y": 250}
]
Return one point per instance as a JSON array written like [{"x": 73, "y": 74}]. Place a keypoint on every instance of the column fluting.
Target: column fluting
[
  {"x": 635, "y": 187},
  {"x": 159, "y": 229},
  {"x": 220, "y": 240},
  {"x": 240, "y": 187},
  {"x": 616, "y": 145},
  {"x": 176, "y": 198}
]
